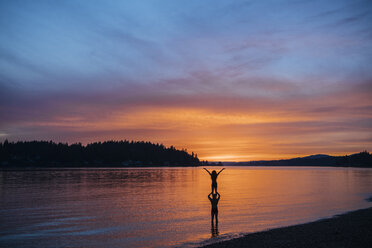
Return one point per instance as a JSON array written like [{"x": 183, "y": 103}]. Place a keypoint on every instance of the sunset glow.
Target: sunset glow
[{"x": 228, "y": 81}]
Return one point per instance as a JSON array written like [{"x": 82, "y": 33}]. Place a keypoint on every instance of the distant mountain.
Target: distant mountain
[
  {"x": 362, "y": 159},
  {"x": 106, "y": 154},
  {"x": 317, "y": 156}
]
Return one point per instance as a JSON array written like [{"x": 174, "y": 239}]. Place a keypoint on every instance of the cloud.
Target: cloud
[
  {"x": 201, "y": 91},
  {"x": 224, "y": 80}
]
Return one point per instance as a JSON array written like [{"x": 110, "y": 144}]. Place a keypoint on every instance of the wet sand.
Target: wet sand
[{"x": 353, "y": 229}]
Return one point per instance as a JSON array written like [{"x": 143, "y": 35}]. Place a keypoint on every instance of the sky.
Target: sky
[{"x": 228, "y": 80}]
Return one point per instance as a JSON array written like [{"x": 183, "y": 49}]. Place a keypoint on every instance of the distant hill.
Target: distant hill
[
  {"x": 106, "y": 154},
  {"x": 362, "y": 159},
  {"x": 317, "y": 156}
]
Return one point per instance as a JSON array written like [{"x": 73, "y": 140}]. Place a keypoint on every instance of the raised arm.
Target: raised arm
[
  {"x": 209, "y": 197},
  {"x": 207, "y": 171},
  {"x": 218, "y": 196},
  {"x": 220, "y": 171}
]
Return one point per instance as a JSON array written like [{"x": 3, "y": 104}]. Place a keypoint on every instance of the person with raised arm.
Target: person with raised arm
[{"x": 214, "y": 176}]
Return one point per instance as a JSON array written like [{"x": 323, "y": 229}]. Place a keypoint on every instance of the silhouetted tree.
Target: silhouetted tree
[{"x": 108, "y": 153}]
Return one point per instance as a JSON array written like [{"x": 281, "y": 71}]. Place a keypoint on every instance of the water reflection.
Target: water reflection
[
  {"x": 164, "y": 207},
  {"x": 214, "y": 212}
]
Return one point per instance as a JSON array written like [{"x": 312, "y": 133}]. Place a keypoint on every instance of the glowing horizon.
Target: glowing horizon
[{"x": 228, "y": 81}]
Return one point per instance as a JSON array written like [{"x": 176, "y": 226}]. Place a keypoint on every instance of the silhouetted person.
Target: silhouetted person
[
  {"x": 214, "y": 212},
  {"x": 214, "y": 176}
]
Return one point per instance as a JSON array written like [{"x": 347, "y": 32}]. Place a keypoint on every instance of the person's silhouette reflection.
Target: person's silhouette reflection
[{"x": 214, "y": 212}]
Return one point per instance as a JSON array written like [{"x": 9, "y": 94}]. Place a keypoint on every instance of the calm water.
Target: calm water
[{"x": 166, "y": 207}]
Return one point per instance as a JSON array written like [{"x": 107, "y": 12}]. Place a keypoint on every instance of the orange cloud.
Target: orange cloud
[{"x": 230, "y": 127}]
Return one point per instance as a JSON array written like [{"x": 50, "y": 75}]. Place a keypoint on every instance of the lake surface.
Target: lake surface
[{"x": 167, "y": 207}]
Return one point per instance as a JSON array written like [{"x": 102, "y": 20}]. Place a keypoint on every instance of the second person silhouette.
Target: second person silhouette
[{"x": 214, "y": 198}]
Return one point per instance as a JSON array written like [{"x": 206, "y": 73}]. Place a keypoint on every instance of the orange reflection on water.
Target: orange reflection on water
[{"x": 164, "y": 207}]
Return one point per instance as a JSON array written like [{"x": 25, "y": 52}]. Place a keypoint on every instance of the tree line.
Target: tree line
[{"x": 104, "y": 154}]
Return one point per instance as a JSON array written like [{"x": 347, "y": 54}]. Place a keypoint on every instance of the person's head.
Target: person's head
[
  {"x": 214, "y": 196},
  {"x": 214, "y": 172}
]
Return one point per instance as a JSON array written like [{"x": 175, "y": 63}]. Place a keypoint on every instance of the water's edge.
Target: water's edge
[{"x": 232, "y": 236}]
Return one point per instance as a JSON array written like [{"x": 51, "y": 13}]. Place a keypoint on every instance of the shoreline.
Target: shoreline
[
  {"x": 24, "y": 168},
  {"x": 351, "y": 229}
]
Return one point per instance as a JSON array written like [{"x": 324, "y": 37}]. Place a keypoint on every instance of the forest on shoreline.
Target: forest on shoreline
[
  {"x": 141, "y": 154},
  {"x": 98, "y": 154}
]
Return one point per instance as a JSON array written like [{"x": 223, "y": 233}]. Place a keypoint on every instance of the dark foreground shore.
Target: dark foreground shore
[{"x": 353, "y": 229}]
